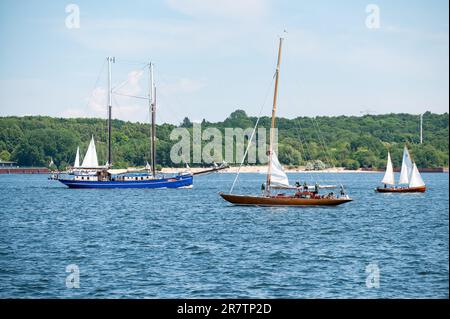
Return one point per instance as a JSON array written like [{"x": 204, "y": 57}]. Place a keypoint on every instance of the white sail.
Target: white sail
[
  {"x": 416, "y": 180},
  {"x": 77, "y": 158},
  {"x": 389, "y": 178},
  {"x": 278, "y": 176},
  {"x": 90, "y": 159},
  {"x": 407, "y": 167}
]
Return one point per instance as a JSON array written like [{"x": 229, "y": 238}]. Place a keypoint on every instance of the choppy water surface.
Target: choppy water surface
[{"x": 190, "y": 243}]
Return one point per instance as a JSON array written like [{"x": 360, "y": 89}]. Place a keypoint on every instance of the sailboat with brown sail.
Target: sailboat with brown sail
[{"x": 277, "y": 178}]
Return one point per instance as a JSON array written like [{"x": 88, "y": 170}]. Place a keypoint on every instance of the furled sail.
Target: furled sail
[
  {"x": 416, "y": 180},
  {"x": 278, "y": 176},
  {"x": 77, "y": 158},
  {"x": 389, "y": 175},
  {"x": 407, "y": 167},
  {"x": 90, "y": 159}
]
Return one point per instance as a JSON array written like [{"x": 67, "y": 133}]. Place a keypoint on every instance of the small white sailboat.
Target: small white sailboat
[{"x": 409, "y": 176}]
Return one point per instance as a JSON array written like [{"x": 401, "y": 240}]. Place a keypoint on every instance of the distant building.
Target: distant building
[{"x": 7, "y": 164}]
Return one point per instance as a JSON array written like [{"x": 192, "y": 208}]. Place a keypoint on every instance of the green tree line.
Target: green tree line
[{"x": 347, "y": 141}]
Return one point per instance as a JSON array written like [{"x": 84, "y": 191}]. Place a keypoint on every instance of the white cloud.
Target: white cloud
[
  {"x": 74, "y": 113},
  {"x": 171, "y": 38},
  {"x": 240, "y": 9},
  {"x": 125, "y": 108},
  {"x": 97, "y": 101},
  {"x": 441, "y": 37},
  {"x": 128, "y": 108},
  {"x": 182, "y": 86},
  {"x": 131, "y": 86},
  {"x": 234, "y": 42}
]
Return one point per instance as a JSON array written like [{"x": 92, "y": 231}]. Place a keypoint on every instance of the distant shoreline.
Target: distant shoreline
[
  {"x": 232, "y": 170},
  {"x": 263, "y": 169}
]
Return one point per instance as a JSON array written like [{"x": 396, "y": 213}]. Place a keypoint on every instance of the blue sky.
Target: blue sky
[{"x": 214, "y": 56}]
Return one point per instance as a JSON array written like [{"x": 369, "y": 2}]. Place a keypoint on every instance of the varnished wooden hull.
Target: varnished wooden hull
[
  {"x": 282, "y": 201},
  {"x": 420, "y": 189}
]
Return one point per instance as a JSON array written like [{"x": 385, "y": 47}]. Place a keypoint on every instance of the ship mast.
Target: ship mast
[
  {"x": 152, "y": 102},
  {"x": 274, "y": 109},
  {"x": 110, "y": 59}
]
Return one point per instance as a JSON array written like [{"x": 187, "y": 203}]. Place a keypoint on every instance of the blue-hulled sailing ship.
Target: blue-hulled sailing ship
[{"x": 90, "y": 175}]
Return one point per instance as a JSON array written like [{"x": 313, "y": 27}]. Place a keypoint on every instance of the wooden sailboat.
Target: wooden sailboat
[
  {"x": 277, "y": 178},
  {"x": 409, "y": 175}
]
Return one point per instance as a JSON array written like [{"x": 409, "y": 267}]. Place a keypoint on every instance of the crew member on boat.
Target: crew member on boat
[{"x": 316, "y": 188}]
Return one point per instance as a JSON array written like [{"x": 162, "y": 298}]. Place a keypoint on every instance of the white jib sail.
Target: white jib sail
[
  {"x": 389, "y": 178},
  {"x": 407, "y": 167},
  {"x": 90, "y": 159},
  {"x": 77, "y": 158},
  {"x": 416, "y": 180},
  {"x": 278, "y": 177}
]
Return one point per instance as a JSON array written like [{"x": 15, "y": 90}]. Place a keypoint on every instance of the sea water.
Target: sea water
[{"x": 57, "y": 242}]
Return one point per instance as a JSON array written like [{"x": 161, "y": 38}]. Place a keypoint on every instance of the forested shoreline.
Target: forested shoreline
[{"x": 346, "y": 141}]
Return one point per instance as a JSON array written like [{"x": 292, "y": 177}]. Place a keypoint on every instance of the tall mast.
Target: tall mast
[
  {"x": 152, "y": 100},
  {"x": 274, "y": 109},
  {"x": 110, "y": 59}
]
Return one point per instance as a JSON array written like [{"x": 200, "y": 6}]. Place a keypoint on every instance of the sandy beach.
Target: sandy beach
[{"x": 263, "y": 169}]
